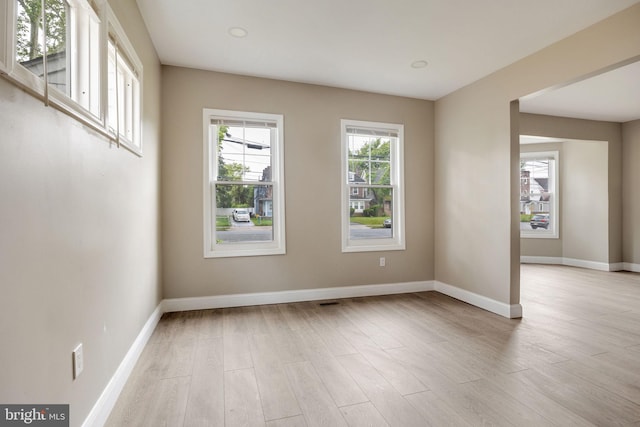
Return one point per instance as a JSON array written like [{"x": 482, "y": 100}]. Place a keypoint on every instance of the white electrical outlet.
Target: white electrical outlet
[
  {"x": 78, "y": 361},
  {"x": 382, "y": 261}
]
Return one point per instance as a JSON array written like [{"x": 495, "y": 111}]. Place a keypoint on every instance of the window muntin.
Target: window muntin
[
  {"x": 243, "y": 171},
  {"x": 539, "y": 195},
  {"x": 244, "y": 149},
  {"x": 372, "y": 186}
]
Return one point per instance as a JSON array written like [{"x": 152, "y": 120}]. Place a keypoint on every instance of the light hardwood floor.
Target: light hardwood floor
[{"x": 403, "y": 360}]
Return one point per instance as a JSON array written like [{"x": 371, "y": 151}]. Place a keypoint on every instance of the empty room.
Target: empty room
[{"x": 333, "y": 213}]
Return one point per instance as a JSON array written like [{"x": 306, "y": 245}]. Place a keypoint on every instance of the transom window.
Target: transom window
[
  {"x": 124, "y": 72},
  {"x": 244, "y": 195},
  {"x": 63, "y": 42},
  {"x": 76, "y": 57},
  {"x": 372, "y": 186}
]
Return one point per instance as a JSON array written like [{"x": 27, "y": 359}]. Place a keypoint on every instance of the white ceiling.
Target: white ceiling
[
  {"x": 613, "y": 96},
  {"x": 365, "y": 44}
]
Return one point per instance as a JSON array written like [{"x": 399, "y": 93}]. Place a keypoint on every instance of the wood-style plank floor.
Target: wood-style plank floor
[{"x": 403, "y": 360}]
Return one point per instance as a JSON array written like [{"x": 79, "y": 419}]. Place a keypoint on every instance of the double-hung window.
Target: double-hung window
[
  {"x": 372, "y": 186},
  {"x": 243, "y": 184},
  {"x": 539, "y": 194}
]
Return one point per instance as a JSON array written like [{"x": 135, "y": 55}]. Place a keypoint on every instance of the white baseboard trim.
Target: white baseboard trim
[
  {"x": 107, "y": 400},
  {"x": 628, "y": 266},
  {"x": 105, "y": 403},
  {"x": 262, "y": 298},
  {"x": 541, "y": 260},
  {"x": 511, "y": 311},
  {"x": 593, "y": 265},
  {"x": 572, "y": 262},
  {"x": 102, "y": 408},
  {"x": 616, "y": 266}
]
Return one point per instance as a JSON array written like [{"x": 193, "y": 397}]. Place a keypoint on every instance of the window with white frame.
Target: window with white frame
[
  {"x": 60, "y": 45},
  {"x": 123, "y": 86},
  {"x": 539, "y": 197},
  {"x": 72, "y": 53},
  {"x": 243, "y": 184},
  {"x": 372, "y": 186}
]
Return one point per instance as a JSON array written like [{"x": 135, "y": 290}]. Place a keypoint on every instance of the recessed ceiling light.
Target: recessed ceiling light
[
  {"x": 238, "y": 32},
  {"x": 419, "y": 64}
]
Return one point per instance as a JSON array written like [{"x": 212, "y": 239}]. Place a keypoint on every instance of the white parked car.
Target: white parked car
[{"x": 241, "y": 215}]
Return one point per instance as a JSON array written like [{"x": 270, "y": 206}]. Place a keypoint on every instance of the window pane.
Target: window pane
[
  {"x": 30, "y": 40},
  {"x": 94, "y": 67},
  {"x": 244, "y": 152},
  {"x": 244, "y": 213},
  {"x": 57, "y": 74},
  {"x": 111, "y": 89},
  {"x": 381, "y": 173},
  {"x": 369, "y": 159},
  {"x": 536, "y": 194},
  {"x": 370, "y": 211},
  {"x": 128, "y": 107},
  {"x": 123, "y": 97}
]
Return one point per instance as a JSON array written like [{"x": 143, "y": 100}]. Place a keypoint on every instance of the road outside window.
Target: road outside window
[{"x": 538, "y": 194}]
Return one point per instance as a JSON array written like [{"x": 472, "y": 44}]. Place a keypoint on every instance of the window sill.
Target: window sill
[
  {"x": 232, "y": 253},
  {"x": 539, "y": 236},
  {"x": 67, "y": 107},
  {"x": 373, "y": 247}
]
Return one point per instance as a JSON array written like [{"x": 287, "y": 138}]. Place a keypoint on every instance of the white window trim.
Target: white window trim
[
  {"x": 4, "y": 37},
  {"x": 36, "y": 86},
  {"x": 554, "y": 233},
  {"x": 20, "y": 76},
  {"x": 397, "y": 242},
  {"x": 210, "y": 146},
  {"x": 124, "y": 46}
]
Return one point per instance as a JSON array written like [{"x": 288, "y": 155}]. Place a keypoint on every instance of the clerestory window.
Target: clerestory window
[
  {"x": 76, "y": 57},
  {"x": 60, "y": 45},
  {"x": 124, "y": 88}
]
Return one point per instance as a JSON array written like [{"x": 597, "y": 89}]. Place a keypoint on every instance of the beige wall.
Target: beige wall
[
  {"x": 477, "y": 234},
  {"x": 631, "y": 192},
  {"x": 585, "y": 218},
  {"x": 585, "y": 168},
  {"x": 80, "y": 221},
  {"x": 79, "y": 245},
  {"x": 312, "y": 180}
]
